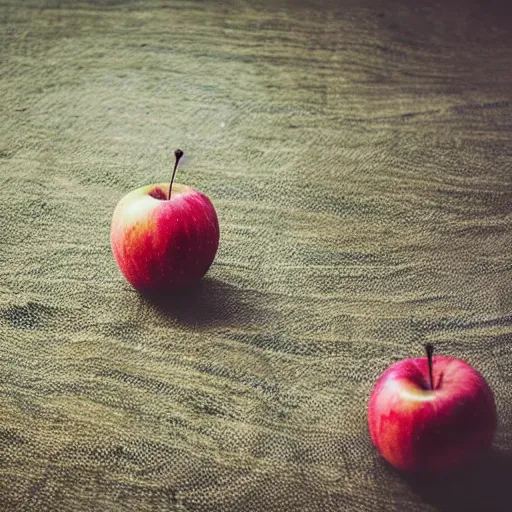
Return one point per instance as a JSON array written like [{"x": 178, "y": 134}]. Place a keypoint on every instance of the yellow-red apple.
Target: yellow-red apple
[{"x": 164, "y": 237}]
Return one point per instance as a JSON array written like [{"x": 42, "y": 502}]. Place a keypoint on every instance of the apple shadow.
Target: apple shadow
[
  {"x": 485, "y": 484},
  {"x": 210, "y": 303}
]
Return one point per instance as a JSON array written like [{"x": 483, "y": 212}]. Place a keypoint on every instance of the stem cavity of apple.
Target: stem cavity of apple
[
  {"x": 177, "y": 155},
  {"x": 429, "y": 349}
]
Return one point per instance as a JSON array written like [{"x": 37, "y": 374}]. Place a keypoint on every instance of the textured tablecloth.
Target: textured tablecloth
[{"x": 359, "y": 156}]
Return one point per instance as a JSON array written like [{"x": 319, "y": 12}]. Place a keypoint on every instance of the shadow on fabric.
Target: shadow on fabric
[
  {"x": 210, "y": 303},
  {"x": 486, "y": 484}
]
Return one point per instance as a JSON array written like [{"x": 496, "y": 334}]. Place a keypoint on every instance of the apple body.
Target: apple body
[
  {"x": 418, "y": 429},
  {"x": 163, "y": 245}
]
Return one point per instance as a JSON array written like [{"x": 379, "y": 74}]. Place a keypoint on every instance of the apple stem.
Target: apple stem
[
  {"x": 429, "y": 349},
  {"x": 177, "y": 155}
]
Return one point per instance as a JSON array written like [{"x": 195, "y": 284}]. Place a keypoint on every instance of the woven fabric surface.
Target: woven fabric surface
[{"x": 358, "y": 154}]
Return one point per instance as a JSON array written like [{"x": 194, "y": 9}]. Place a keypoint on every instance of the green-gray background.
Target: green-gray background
[{"x": 359, "y": 157}]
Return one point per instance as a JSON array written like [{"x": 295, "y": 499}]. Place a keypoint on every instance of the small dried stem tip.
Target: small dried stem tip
[
  {"x": 177, "y": 155},
  {"x": 429, "y": 349}
]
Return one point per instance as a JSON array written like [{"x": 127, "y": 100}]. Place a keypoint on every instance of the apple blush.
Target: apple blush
[
  {"x": 431, "y": 414},
  {"x": 164, "y": 237}
]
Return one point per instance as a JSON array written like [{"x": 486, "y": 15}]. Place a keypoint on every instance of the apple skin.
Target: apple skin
[
  {"x": 163, "y": 245},
  {"x": 416, "y": 429}
]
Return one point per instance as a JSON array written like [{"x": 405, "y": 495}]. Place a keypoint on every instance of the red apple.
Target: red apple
[
  {"x": 164, "y": 237},
  {"x": 428, "y": 414}
]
